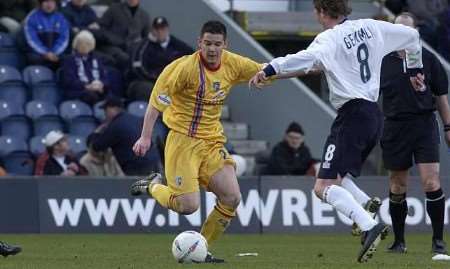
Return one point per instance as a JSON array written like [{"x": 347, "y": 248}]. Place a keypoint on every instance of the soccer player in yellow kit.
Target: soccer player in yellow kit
[{"x": 190, "y": 93}]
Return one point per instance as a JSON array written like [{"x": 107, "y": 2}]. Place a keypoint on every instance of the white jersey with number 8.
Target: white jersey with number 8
[{"x": 350, "y": 54}]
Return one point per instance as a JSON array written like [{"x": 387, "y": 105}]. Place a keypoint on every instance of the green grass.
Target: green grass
[{"x": 153, "y": 251}]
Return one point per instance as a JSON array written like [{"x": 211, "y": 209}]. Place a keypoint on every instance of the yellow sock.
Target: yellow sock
[
  {"x": 162, "y": 194},
  {"x": 217, "y": 222}
]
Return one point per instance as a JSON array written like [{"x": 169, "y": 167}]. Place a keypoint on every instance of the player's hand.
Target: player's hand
[
  {"x": 418, "y": 82},
  {"x": 142, "y": 146},
  {"x": 258, "y": 80}
]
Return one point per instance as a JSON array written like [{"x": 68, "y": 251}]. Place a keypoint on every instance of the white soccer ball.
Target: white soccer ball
[{"x": 189, "y": 246}]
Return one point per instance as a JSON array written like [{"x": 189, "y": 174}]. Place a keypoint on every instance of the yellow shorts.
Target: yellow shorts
[{"x": 190, "y": 162}]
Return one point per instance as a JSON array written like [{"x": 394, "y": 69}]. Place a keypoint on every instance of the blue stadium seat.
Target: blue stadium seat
[
  {"x": 16, "y": 126},
  {"x": 77, "y": 144},
  {"x": 36, "y": 109},
  {"x": 9, "y": 55},
  {"x": 9, "y": 144},
  {"x": 7, "y": 109},
  {"x": 73, "y": 108},
  {"x": 137, "y": 108},
  {"x": 45, "y": 124},
  {"x": 82, "y": 125},
  {"x": 12, "y": 88},
  {"x": 19, "y": 163},
  {"x": 37, "y": 74},
  {"x": 99, "y": 113},
  {"x": 36, "y": 145},
  {"x": 48, "y": 92}
]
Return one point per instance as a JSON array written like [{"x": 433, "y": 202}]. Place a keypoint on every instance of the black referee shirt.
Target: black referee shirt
[{"x": 400, "y": 100}]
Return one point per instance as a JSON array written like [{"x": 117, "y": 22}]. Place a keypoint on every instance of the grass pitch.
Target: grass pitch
[{"x": 154, "y": 251}]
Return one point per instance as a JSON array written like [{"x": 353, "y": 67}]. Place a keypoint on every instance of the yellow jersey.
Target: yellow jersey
[{"x": 191, "y": 96}]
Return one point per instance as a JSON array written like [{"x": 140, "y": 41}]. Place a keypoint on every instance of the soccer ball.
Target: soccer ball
[{"x": 189, "y": 246}]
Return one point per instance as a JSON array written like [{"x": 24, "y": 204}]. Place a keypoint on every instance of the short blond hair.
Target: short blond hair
[{"x": 85, "y": 36}]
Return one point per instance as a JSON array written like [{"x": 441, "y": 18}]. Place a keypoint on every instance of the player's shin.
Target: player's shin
[
  {"x": 360, "y": 196},
  {"x": 217, "y": 222},
  {"x": 344, "y": 202}
]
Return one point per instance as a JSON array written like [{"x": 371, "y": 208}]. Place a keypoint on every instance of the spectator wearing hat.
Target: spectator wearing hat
[
  {"x": 150, "y": 56},
  {"x": 84, "y": 74},
  {"x": 58, "y": 160},
  {"x": 122, "y": 25},
  {"x": 100, "y": 163},
  {"x": 80, "y": 16},
  {"x": 291, "y": 156},
  {"x": 47, "y": 33},
  {"x": 119, "y": 133}
]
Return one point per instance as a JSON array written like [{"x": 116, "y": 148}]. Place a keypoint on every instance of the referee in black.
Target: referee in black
[{"x": 411, "y": 134}]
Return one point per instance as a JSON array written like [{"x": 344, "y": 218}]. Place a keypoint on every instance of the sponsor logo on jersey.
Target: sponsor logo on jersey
[
  {"x": 326, "y": 165},
  {"x": 164, "y": 99},
  {"x": 219, "y": 94}
]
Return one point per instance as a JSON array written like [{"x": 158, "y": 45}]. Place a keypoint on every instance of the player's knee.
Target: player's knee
[
  {"x": 232, "y": 200},
  {"x": 188, "y": 207},
  {"x": 398, "y": 188},
  {"x": 431, "y": 183}
]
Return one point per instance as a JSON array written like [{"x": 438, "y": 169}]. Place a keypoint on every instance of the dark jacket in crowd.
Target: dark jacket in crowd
[
  {"x": 120, "y": 28},
  {"x": 16, "y": 9},
  {"x": 120, "y": 135},
  {"x": 47, "y": 32},
  {"x": 78, "y": 17},
  {"x": 53, "y": 168},
  {"x": 150, "y": 58},
  {"x": 78, "y": 71},
  {"x": 286, "y": 161}
]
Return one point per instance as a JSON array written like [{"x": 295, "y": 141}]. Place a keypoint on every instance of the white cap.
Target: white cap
[{"x": 53, "y": 137}]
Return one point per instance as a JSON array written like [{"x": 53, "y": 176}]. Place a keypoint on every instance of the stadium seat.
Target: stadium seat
[
  {"x": 19, "y": 163},
  {"x": 137, "y": 108},
  {"x": 16, "y": 126},
  {"x": 72, "y": 109},
  {"x": 45, "y": 124},
  {"x": 48, "y": 92},
  {"x": 37, "y": 74},
  {"x": 36, "y": 145},
  {"x": 12, "y": 88},
  {"x": 9, "y": 144},
  {"x": 7, "y": 109},
  {"x": 82, "y": 125},
  {"x": 7, "y": 41},
  {"x": 36, "y": 109},
  {"x": 99, "y": 113},
  {"x": 9, "y": 55},
  {"x": 77, "y": 144}
]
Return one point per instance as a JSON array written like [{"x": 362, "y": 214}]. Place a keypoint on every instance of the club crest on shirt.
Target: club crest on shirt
[
  {"x": 216, "y": 86},
  {"x": 178, "y": 180}
]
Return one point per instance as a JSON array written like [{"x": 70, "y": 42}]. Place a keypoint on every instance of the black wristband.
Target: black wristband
[
  {"x": 414, "y": 71},
  {"x": 446, "y": 127},
  {"x": 269, "y": 71}
]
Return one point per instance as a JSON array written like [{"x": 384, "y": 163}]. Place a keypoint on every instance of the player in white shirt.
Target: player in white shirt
[{"x": 350, "y": 53}]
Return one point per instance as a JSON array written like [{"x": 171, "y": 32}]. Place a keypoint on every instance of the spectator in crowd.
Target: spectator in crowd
[
  {"x": 47, "y": 32},
  {"x": 100, "y": 163},
  {"x": 122, "y": 25},
  {"x": 151, "y": 55},
  {"x": 291, "y": 156},
  {"x": 119, "y": 133},
  {"x": 58, "y": 160},
  {"x": 81, "y": 16},
  {"x": 427, "y": 14},
  {"x": 83, "y": 74},
  {"x": 13, "y": 12}
]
